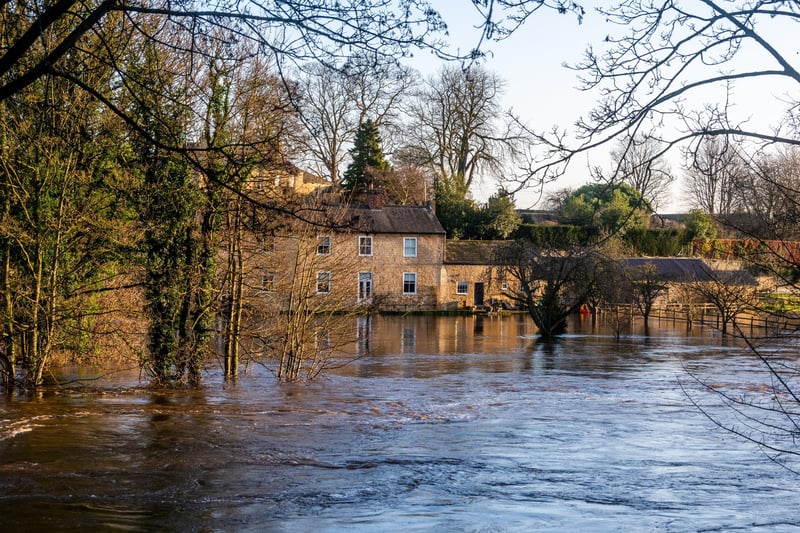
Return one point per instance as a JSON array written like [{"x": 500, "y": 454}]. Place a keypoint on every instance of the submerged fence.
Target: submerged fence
[{"x": 708, "y": 315}]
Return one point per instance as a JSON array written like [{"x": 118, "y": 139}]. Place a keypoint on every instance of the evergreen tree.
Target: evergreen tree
[{"x": 368, "y": 161}]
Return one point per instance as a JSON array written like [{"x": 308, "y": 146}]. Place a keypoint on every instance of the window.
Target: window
[
  {"x": 504, "y": 286},
  {"x": 324, "y": 245},
  {"x": 268, "y": 281},
  {"x": 364, "y": 286},
  {"x": 409, "y": 283},
  {"x": 365, "y": 246},
  {"x": 323, "y": 282},
  {"x": 410, "y": 247},
  {"x": 462, "y": 287},
  {"x": 268, "y": 244}
]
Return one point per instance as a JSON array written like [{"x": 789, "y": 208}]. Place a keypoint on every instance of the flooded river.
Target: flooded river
[{"x": 450, "y": 424}]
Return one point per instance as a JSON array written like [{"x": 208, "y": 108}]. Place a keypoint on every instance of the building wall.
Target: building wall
[
  {"x": 387, "y": 265},
  {"x": 496, "y": 287}
]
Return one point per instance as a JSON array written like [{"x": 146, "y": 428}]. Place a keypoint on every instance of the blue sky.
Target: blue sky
[{"x": 544, "y": 93}]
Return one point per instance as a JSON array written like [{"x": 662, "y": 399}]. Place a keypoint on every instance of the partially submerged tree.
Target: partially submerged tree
[
  {"x": 731, "y": 293},
  {"x": 553, "y": 284},
  {"x": 647, "y": 285},
  {"x": 65, "y": 224},
  {"x": 300, "y": 302}
]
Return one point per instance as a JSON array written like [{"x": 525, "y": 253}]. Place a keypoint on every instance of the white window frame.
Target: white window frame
[
  {"x": 365, "y": 277},
  {"x": 324, "y": 282},
  {"x": 322, "y": 247},
  {"x": 504, "y": 286},
  {"x": 462, "y": 287},
  {"x": 406, "y": 242},
  {"x": 362, "y": 244},
  {"x": 409, "y": 277}
]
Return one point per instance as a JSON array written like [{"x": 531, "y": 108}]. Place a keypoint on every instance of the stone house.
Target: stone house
[
  {"x": 472, "y": 277},
  {"x": 679, "y": 274},
  {"x": 394, "y": 257},
  {"x": 371, "y": 256}
]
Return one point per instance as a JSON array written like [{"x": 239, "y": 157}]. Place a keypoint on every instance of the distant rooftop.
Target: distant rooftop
[
  {"x": 473, "y": 252},
  {"x": 396, "y": 219}
]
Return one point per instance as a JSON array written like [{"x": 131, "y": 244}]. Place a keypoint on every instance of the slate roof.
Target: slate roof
[
  {"x": 395, "y": 219},
  {"x": 473, "y": 252},
  {"x": 677, "y": 268},
  {"x": 690, "y": 269}
]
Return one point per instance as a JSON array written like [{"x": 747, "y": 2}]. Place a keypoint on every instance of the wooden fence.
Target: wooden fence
[{"x": 708, "y": 315}]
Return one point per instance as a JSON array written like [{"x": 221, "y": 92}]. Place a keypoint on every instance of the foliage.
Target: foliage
[
  {"x": 64, "y": 227},
  {"x": 454, "y": 209},
  {"x": 498, "y": 218},
  {"x": 368, "y": 161},
  {"x": 700, "y": 226},
  {"x": 557, "y": 236},
  {"x": 463, "y": 219},
  {"x": 610, "y": 208},
  {"x": 657, "y": 242}
]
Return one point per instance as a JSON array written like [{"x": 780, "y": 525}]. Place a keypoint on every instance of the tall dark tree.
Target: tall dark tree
[{"x": 368, "y": 161}]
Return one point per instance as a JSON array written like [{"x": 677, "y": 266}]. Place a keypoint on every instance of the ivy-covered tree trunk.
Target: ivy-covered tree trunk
[{"x": 170, "y": 203}]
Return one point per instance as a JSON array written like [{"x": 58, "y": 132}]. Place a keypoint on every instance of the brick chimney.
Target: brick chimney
[{"x": 375, "y": 197}]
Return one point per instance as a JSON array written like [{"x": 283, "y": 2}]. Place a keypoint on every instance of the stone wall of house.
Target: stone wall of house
[
  {"x": 389, "y": 265},
  {"x": 496, "y": 287}
]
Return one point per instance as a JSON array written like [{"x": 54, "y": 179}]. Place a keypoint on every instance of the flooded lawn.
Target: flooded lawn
[{"x": 450, "y": 424}]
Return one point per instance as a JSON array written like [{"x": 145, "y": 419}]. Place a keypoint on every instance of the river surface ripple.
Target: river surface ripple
[{"x": 453, "y": 427}]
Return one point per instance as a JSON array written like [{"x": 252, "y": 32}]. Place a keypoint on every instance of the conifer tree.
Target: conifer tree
[{"x": 368, "y": 160}]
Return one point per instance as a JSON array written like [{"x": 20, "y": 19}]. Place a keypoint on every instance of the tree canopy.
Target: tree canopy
[{"x": 611, "y": 208}]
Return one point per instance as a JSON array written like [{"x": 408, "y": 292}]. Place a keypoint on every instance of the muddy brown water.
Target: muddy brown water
[{"x": 449, "y": 424}]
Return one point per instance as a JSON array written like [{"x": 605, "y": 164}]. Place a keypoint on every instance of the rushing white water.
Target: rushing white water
[{"x": 451, "y": 424}]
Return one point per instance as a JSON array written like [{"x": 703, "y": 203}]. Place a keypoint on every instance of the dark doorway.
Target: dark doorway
[{"x": 478, "y": 294}]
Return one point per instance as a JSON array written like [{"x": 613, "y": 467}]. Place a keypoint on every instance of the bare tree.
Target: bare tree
[
  {"x": 458, "y": 129},
  {"x": 714, "y": 170},
  {"x": 769, "y": 193},
  {"x": 656, "y": 76},
  {"x": 336, "y": 101},
  {"x": 327, "y": 117},
  {"x": 731, "y": 293},
  {"x": 300, "y": 295},
  {"x": 637, "y": 163},
  {"x": 648, "y": 285}
]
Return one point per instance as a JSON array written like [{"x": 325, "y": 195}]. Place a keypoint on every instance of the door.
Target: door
[
  {"x": 478, "y": 294},
  {"x": 364, "y": 286}
]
